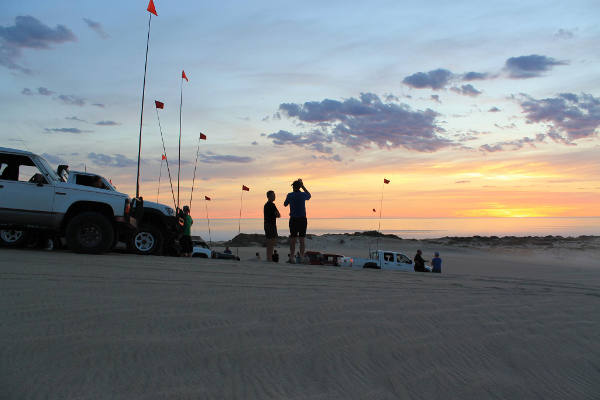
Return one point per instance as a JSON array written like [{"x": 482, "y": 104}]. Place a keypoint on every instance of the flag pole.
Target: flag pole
[
  {"x": 137, "y": 183},
  {"x": 179, "y": 158},
  {"x": 166, "y": 158},
  {"x": 159, "y": 176},
  {"x": 380, "y": 210},
  {"x": 237, "y": 250},
  {"x": 208, "y": 223},
  {"x": 195, "y": 166}
]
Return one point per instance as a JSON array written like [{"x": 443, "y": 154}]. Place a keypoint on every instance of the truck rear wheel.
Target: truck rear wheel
[
  {"x": 90, "y": 232},
  {"x": 147, "y": 240},
  {"x": 13, "y": 238}
]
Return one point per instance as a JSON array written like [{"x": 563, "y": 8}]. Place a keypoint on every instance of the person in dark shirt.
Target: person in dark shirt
[
  {"x": 298, "y": 223},
  {"x": 271, "y": 214},
  {"x": 419, "y": 262},
  {"x": 436, "y": 263},
  {"x": 186, "y": 239}
]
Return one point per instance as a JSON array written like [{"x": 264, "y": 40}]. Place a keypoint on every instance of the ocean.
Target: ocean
[{"x": 412, "y": 228}]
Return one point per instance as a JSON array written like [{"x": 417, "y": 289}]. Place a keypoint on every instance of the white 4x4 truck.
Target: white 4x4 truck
[
  {"x": 34, "y": 197},
  {"x": 381, "y": 259}
]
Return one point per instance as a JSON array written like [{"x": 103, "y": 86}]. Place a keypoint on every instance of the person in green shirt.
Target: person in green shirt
[{"x": 186, "y": 239}]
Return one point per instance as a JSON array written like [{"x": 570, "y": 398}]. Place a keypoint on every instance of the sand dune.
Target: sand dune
[{"x": 495, "y": 325}]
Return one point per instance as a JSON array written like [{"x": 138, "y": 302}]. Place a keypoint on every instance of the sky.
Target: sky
[{"x": 469, "y": 109}]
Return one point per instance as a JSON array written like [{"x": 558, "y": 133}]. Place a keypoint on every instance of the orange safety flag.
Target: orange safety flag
[
  {"x": 159, "y": 104},
  {"x": 206, "y": 198},
  {"x": 151, "y": 8},
  {"x": 183, "y": 75},
  {"x": 202, "y": 136},
  {"x": 163, "y": 157},
  {"x": 246, "y": 188},
  {"x": 386, "y": 181}
]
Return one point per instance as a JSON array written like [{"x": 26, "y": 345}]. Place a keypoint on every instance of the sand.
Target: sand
[{"x": 497, "y": 324}]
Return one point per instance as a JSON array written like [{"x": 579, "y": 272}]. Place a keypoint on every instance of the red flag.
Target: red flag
[
  {"x": 246, "y": 188},
  {"x": 202, "y": 136},
  {"x": 151, "y": 8},
  {"x": 386, "y": 181},
  {"x": 183, "y": 75},
  {"x": 159, "y": 104},
  {"x": 206, "y": 198},
  {"x": 163, "y": 157}
]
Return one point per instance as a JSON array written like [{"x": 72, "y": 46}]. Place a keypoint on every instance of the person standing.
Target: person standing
[
  {"x": 296, "y": 200},
  {"x": 419, "y": 262},
  {"x": 271, "y": 214},
  {"x": 186, "y": 239},
  {"x": 436, "y": 263}
]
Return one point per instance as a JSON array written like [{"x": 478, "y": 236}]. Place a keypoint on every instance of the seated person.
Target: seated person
[
  {"x": 436, "y": 263},
  {"x": 38, "y": 179},
  {"x": 10, "y": 173}
]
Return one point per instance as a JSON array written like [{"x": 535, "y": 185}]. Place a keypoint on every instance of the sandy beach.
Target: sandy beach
[{"x": 501, "y": 322}]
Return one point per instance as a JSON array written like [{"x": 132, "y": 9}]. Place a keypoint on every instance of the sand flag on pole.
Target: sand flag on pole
[
  {"x": 244, "y": 189},
  {"x": 206, "y": 200},
  {"x": 161, "y": 105},
  {"x": 152, "y": 10},
  {"x": 183, "y": 76},
  {"x": 385, "y": 182},
  {"x": 201, "y": 137}
]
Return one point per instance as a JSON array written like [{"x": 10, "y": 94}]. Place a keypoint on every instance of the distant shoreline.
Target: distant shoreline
[{"x": 549, "y": 241}]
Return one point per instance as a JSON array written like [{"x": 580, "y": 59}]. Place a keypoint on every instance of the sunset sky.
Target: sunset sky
[{"x": 470, "y": 109}]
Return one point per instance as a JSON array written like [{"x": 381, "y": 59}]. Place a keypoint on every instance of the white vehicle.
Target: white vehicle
[
  {"x": 200, "y": 248},
  {"x": 383, "y": 259},
  {"x": 157, "y": 230},
  {"x": 34, "y": 197}
]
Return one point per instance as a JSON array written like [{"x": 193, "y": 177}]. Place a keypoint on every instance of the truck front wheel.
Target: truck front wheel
[
  {"x": 90, "y": 232},
  {"x": 147, "y": 240}
]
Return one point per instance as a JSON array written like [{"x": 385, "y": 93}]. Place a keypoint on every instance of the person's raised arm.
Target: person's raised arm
[
  {"x": 287, "y": 201},
  {"x": 305, "y": 191}
]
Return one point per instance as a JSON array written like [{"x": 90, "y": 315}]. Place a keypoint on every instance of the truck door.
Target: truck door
[
  {"x": 388, "y": 260},
  {"x": 26, "y": 197},
  {"x": 404, "y": 262}
]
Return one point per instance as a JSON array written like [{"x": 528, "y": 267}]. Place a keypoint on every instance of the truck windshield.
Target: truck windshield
[{"x": 48, "y": 170}]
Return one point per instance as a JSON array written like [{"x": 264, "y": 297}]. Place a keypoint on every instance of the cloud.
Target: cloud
[
  {"x": 64, "y": 130},
  {"x": 28, "y": 32},
  {"x": 436, "y": 79},
  {"x": 361, "y": 123},
  {"x": 474, "y": 76},
  {"x": 390, "y": 97},
  {"x": 513, "y": 144},
  {"x": 462, "y": 182},
  {"x": 107, "y": 123},
  {"x": 564, "y": 34},
  {"x": 75, "y": 119},
  {"x": 44, "y": 92},
  {"x": 335, "y": 157},
  {"x": 27, "y": 92},
  {"x": 105, "y": 160},
  {"x": 494, "y": 109},
  {"x": 212, "y": 158},
  {"x": 98, "y": 105},
  {"x": 576, "y": 116},
  {"x": 255, "y": 143},
  {"x": 531, "y": 66},
  {"x": 466, "y": 90},
  {"x": 54, "y": 159},
  {"x": 71, "y": 100},
  {"x": 436, "y": 98},
  {"x": 96, "y": 27}
]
